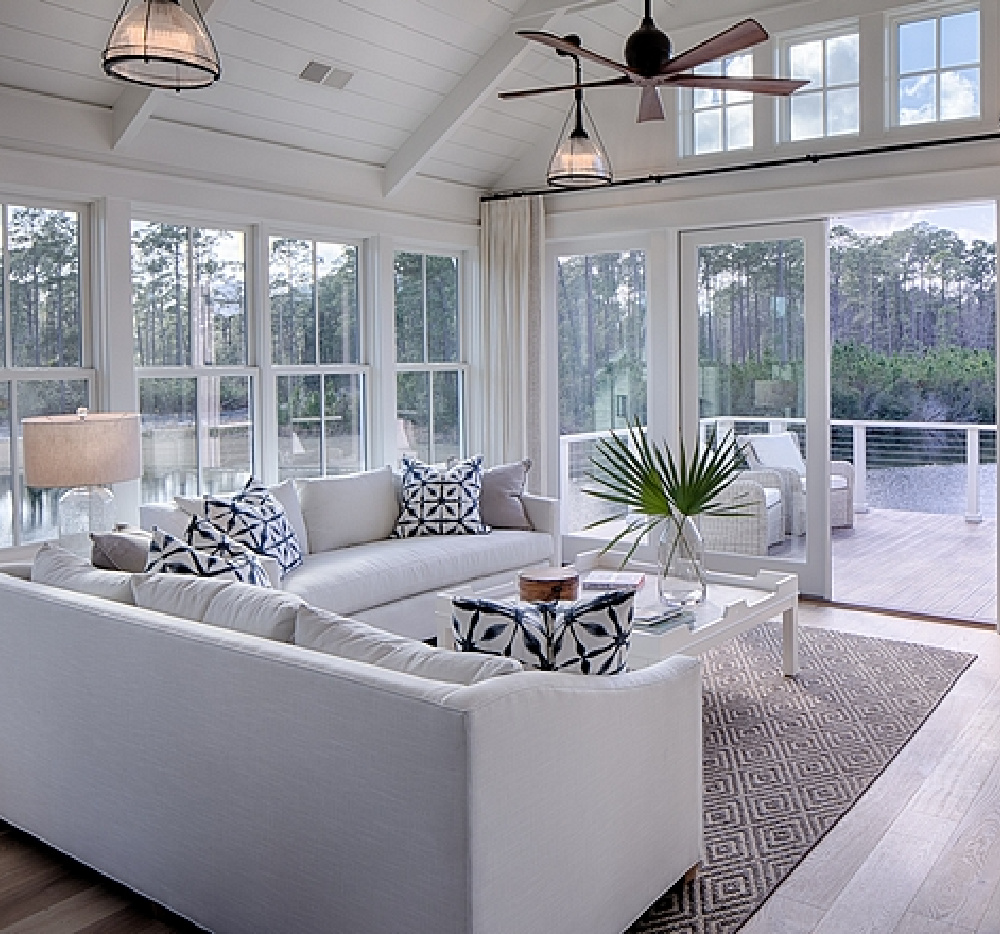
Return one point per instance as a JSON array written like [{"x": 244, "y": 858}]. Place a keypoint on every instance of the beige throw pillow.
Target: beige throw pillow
[
  {"x": 500, "y": 497},
  {"x": 124, "y": 550}
]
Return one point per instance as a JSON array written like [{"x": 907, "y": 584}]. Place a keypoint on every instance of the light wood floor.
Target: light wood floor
[
  {"x": 918, "y": 854},
  {"x": 941, "y": 565}
]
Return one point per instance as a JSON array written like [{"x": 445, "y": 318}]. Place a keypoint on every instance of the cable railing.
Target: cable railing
[{"x": 923, "y": 467}]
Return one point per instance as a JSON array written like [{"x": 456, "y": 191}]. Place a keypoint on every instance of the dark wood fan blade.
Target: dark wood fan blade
[
  {"x": 561, "y": 45},
  {"x": 779, "y": 87},
  {"x": 650, "y": 106},
  {"x": 735, "y": 39},
  {"x": 531, "y": 92}
]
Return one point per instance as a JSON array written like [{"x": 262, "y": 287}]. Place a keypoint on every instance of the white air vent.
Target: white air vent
[{"x": 318, "y": 73}]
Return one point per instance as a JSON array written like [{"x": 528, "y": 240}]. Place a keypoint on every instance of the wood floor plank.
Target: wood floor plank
[{"x": 70, "y": 915}]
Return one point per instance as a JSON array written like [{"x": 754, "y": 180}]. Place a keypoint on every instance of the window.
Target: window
[
  {"x": 936, "y": 73},
  {"x": 430, "y": 379},
  {"x": 719, "y": 121},
  {"x": 196, "y": 390},
  {"x": 829, "y": 105},
  {"x": 316, "y": 353},
  {"x": 42, "y": 359},
  {"x": 601, "y": 306}
]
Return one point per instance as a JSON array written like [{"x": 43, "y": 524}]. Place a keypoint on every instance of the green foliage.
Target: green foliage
[{"x": 631, "y": 471}]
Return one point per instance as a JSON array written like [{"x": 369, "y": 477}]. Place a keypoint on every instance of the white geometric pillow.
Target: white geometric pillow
[
  {"x": 591, "y": 636},
  {"x": 253, "y": 517},
  {"x": 171, "y": 555},
  {"x": 440, "y": 501},
  {"x": 492, "y": 627}
]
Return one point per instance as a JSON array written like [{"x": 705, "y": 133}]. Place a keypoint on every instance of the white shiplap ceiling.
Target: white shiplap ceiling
[{"x": 422, "y": 97}]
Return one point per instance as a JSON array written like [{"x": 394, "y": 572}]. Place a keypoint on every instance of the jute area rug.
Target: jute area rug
[{"x": 785, "y": 759}]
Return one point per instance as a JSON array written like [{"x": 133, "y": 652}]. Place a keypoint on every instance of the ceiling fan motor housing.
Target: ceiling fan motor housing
[{"x": 647, "y": 50}]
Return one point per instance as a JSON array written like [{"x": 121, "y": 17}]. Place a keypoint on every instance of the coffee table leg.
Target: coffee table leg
[{"x": 790, "y": 639}]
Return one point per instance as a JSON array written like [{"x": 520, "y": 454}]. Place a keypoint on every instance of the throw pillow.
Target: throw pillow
[
  {"x": 201, "y": 534},
  {"x": 124, "y": 550},
  {"x": 253, "y": 517},
  {"x": 171, "y": 555},
  {"x": 516, "y": 630},
  {"x": 59, "y": 567},
  {"x": 500, "y": 503},
  {"x": 348, "y": 638},
  {"x": 441, "y": 501},
  {"x": 588, "y": 637},
  {"x": 591, "y": 636},
  {"x": 349, "y": 509}
]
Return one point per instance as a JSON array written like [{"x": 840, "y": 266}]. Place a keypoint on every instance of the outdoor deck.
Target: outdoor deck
[{"x": 941, "y": 565}]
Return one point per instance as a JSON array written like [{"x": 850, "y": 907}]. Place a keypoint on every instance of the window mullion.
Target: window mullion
[
  {"x": 8, "y": 336},
  {"x": 16, "y": 480}
]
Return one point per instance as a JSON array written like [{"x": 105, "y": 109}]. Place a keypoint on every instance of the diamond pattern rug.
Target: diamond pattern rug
[{"x": 785, "y": 759}]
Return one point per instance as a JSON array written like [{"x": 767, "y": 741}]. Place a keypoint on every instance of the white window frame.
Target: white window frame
[
  {"x": 688, "y": 111},
  {"x": 916, "y": 14},
  {"x": 362, "y": 369},
  {"x": 461, "y": 366},
  {"x": 822, "y": 33},
  {"x": 202, "y": 372},
  {"x": 11, "y": 375}
]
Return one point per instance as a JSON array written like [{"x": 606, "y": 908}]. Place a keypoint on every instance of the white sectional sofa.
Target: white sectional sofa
[
  {"x": 255, "y": 786},
  {"x": 353, "y": 567}
]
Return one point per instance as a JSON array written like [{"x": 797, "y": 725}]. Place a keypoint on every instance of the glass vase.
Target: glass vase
[{"x": 682, "y": 563}]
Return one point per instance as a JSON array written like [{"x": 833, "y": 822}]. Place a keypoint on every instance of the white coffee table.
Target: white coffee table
[{"x": 734, "y": 604}]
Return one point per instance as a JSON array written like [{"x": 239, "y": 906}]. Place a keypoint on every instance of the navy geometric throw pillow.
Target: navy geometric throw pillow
[
  {"x": 440, "y": 501},
  {"x": 591, "y": 636},
  {"x": 491, "y": 627},
  {"x": 228, "y": 562},
  {"x": 253, "y": 517}
]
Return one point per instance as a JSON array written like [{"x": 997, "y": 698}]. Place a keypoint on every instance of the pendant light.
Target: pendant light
[
  {"x": 579, "y": 161},
  {"x": 160, "y": 44}
]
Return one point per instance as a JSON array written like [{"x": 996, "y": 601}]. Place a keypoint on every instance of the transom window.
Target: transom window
[
  {"x": 320, "y": 383},
  {"x": 830, "y": 104},
  {"x": 937, "y": 67},
  {"x": 430, "y": 374},
  {"x": 196, "y": 389},
  {"x": 719, "y": 121}
]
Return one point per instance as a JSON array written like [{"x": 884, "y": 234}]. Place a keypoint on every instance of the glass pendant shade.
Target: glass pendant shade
[
  {"x": 160, "y": 44},
  {"x": 580, "y": 160}
]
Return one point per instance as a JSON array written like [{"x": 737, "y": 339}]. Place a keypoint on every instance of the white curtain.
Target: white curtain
[{"x": 512, "y": 243}]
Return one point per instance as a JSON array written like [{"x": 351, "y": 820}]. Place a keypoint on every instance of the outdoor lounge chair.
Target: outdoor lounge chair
[
  {"x": 780, "y": 452},
  {"x": 761, "y": 522}
]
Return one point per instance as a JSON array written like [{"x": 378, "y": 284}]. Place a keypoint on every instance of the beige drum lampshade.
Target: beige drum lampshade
[{"x": 86, "y": 449}]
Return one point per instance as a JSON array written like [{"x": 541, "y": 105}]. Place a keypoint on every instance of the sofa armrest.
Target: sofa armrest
[
  {"x": 543, "y": 514},
  {"x": 843, "y": 469},
  {"x": 765, "y": 476}
]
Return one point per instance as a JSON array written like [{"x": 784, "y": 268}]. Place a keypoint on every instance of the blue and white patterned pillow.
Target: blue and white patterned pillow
[
  {"x": 588, "y": 637},
  {"x": 591, "y": 636},
  {"x": 441, "y": 501},
  {"x": 516, "y": 630},
  {"x": 168, "y": 554},
  {"x": 253, "y": 517}
]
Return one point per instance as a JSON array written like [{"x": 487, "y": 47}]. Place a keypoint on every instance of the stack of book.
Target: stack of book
[
  {"x": 662, "y": 619},
  {"x": 613, "y": 580}
]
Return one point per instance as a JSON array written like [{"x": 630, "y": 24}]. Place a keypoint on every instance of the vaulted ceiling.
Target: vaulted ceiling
[{"x": 424, "y": 73}]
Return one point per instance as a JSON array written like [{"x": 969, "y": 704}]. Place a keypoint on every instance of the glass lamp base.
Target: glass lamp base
[{"x": 82, "y": 510}]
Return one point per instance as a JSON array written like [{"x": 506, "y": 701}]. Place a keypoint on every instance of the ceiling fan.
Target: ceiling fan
[{"x": 649, "y": 65}]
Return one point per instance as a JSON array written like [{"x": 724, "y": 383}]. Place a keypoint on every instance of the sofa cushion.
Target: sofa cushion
[
  {"x": 369, "y": 575},
  {"x": 347, "y": 638},
  {"x": 441, "y": 501},
  {"x": 171, "y": 555},
  {"x": 176, "y": 594},
  {"x": 254, "y": 518},
  {"x": 348, "y": 509},
  {"x": 269, "y": 614},
  {"x": 500, "y": 502},
  {"x": 124, "y": 550},
  {"x": 58, "y": 567}
]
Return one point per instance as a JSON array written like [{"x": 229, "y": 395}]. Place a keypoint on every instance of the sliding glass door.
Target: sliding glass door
[{"x": 755, "y": 363}]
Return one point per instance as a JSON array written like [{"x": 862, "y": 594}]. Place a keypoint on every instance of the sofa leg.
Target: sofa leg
[{"x": 692, "y": 873}]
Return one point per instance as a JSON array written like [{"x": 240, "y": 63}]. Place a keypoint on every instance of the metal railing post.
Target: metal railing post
[
  {"x": 972, "y": 511},
  {"x": 860, "y": 468},
  {"x": 564, "y": 487}
]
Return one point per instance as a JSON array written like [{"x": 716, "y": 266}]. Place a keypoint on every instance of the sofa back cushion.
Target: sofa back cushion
[
  {"x": 177, "y": 594},
  {"x": 58, "y": 567},
  {"x": 347, "y": 638},
  {"x": 349, "y": 509}
]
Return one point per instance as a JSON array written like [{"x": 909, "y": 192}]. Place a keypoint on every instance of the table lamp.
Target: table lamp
[{"x": 83, "y": 454}]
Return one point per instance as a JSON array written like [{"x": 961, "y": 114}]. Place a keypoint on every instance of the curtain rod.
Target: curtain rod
[{"x": 750, "y": 166}]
